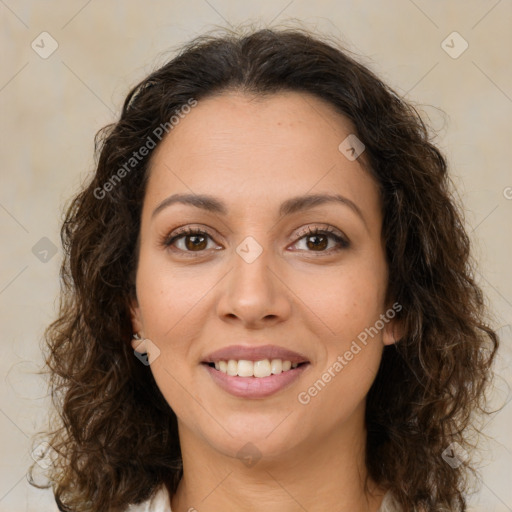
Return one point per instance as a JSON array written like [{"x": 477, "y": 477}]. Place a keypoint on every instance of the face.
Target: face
[{"x": 252, "y": 266}]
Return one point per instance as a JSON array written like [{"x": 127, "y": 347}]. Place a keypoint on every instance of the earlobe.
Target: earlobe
[
  {"x": 392, "y": 333},
  {"x": 135, "y": 314},
  {"x": 139, "y": 344}
]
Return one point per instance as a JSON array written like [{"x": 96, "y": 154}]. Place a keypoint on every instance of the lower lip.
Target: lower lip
[{"x": 255, "y": 387}]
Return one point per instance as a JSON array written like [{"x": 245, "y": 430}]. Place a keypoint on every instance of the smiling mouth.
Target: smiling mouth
[{"x": 256, "y": 369}]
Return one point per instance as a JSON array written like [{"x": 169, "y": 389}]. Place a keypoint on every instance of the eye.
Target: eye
[
  {"x": 189, "y": 240},
  {"x": 317, "y": 240}
]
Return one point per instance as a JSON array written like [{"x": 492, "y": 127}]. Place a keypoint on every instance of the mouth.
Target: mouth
[
  {"x": 255, "y": 369},
  {"x": 261, "y": 357},
  {"x": 255, "y": 381}
]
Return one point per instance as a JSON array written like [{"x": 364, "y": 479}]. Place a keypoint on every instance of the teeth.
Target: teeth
[
  {"x": 245, "y": 368},
  {"x": 232, "y": 368},
  {"x": 276, "y": 366},
  {"x": 263, "y": 368}
]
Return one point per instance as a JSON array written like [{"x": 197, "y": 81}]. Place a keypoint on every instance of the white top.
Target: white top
[{"x": 161, "y": 503}]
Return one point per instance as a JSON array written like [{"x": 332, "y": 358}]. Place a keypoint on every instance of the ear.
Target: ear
[
  {"x": 137, "y": 327},
  {"x": 393, "y": 330}
]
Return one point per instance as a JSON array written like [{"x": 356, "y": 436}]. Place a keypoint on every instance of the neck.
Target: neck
[{"x": 315, "y": 476}]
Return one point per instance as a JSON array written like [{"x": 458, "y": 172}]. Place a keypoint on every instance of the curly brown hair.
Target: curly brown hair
[{"x": 117, "y": 438}]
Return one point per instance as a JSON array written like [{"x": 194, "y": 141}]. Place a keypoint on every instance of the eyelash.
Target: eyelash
[{"x": 167, "y": 240}]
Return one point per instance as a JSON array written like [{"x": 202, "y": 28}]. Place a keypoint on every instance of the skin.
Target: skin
[{"x": 253, "y": 154}]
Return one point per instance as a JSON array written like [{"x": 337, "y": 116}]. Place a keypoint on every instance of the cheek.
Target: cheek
[
  {"x": 331, "y": 396},
  {"x": 174, "y": 305},
  {"x": 346, "y": 299},
  {"x": 353, "y": 302},
  {"x": 349, "y": 305},
  {"x": 170, "y": 297}
]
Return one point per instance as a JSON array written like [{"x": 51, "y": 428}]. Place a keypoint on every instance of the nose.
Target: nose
[{"x": 254, "y": 294}]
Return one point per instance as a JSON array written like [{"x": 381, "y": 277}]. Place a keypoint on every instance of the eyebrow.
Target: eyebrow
[{"x": 288, "y": 207}]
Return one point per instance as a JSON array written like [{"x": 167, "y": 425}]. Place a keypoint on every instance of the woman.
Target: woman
[{"x": 268, "y": 298}]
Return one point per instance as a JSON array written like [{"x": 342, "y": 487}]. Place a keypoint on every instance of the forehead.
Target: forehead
[
  {"x": 233, "y": 122},
  {"x": 252, "y": 150}
]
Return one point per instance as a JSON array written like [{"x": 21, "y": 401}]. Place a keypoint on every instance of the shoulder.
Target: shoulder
[{"x": 159, "y": 502}]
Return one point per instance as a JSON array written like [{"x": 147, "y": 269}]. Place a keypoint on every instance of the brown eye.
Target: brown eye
[
  {"x": 317, "y": 240},
  {"x": 191, "y": 240}
]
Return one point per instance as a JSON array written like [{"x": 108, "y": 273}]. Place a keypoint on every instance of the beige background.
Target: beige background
[{"x": 51, "y": 109}]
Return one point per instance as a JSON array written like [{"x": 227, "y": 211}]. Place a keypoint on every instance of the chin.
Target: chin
[{"x": 248, "y": 442}]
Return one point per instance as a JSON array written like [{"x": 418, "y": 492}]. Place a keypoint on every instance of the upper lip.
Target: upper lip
[{"x": 255, "y": 353}]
